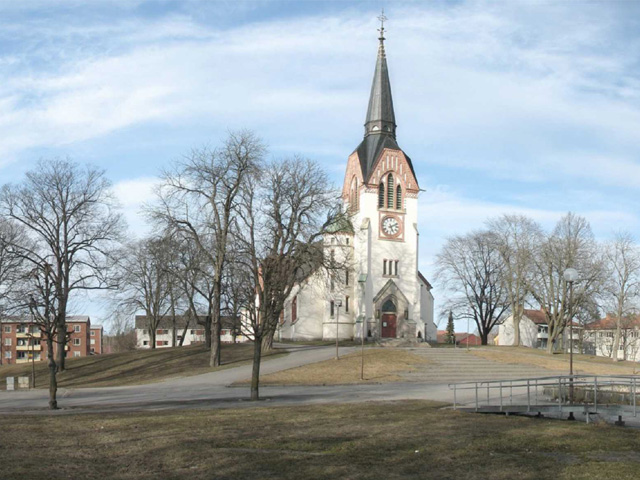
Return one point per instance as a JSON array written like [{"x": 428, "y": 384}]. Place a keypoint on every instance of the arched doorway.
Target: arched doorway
[{"x": 389, "y": 319}]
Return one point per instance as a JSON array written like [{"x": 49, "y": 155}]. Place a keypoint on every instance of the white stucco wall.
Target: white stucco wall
[{"x": 528, "y": 333}]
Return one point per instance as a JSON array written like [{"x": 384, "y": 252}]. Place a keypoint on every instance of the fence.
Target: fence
[{"x": 616, "y": 394}]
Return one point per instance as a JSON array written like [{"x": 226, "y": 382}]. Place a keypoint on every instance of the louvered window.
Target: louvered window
[
  {"x": 399, "y": 197},
  {"x": 390, "y": 191},
  {"x": 381, "y": 195}
]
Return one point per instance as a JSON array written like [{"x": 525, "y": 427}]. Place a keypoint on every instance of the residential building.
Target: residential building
[
  {"x": 183, "y": 326},
  {"x": 599, "y": 337},
  {"x": 381, "y": 293},
  {"x": 23, "y": 342},
  {"x": 462, "y": 338},
  {"x": 96, "y": 340},
  {"x": 534, "y": 331}
]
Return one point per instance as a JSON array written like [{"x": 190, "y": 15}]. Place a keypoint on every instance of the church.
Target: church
[{"x": 380, "y": 293}]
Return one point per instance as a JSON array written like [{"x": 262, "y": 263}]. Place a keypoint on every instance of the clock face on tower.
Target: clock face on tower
[{"x": 390, "y": 226}]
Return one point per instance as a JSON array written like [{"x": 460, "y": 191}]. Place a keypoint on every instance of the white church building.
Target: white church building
[{"x": 381, "y": 293}]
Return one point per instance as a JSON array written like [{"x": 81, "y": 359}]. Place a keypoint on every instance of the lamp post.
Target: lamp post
[
  {"x": 338, "y": 304},
  {"x": 33, "y": 359},
  {"x": 570, "y": 276},
  {"x": 361, "y": 281}
]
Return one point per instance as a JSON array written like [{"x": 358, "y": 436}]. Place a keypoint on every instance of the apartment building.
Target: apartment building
[
  {"x": 184, "y": 326},
  {"x": 22, "y": 341},
  {"x": 96, "y": 340}
]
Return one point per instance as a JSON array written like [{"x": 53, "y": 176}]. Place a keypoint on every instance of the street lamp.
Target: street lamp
[
  {"x": 338, "y": 304},
  {"x": 570, "y": 276}
]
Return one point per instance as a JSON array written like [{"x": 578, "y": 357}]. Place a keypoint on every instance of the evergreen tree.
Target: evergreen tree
[{"x": 451, "y": 336}]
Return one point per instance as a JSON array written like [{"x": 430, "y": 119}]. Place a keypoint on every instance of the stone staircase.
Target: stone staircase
[{"x": 454, "y": 365}]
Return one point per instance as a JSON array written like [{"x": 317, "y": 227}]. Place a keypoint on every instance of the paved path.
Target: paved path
[{"x": 213, "y": 389}]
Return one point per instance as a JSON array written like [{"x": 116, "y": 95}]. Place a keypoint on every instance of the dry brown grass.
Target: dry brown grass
[
  {"x": 582, "y": 364},
  {"x": 383, "y": 440},
  {"x": 381, "y": 365},
  {"x": 133, "y": 368}
]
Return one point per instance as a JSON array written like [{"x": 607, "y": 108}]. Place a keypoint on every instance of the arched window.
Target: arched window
[
  {"x": 390, "y": 191},
  {"x": 389, "y": 306},
  {"x": 381, "y": 195},
  {"x": 399, "y": 197}
]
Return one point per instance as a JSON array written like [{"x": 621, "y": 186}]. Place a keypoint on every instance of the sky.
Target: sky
[{"x": 503, "y": 107}]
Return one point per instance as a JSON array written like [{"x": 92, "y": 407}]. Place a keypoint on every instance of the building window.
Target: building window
[
  {"x": 93, "y": 341},
  {"x": 22, "y": 355},
  {"x": 390, "y": 190},
  {"x": 332, "y": 309},
  {"x": 145, "y": 343},
  {"x": 7, "y": 329},
  {"x": 294, "y": 309},
  {"x": 179, "y": 338},
  {"x": 347, "y": 241},
  {"x": 7, "y": 341},
  {"x": 381, "y": 195},
  {"x": 76, "y": 342},
  {"x": 76, "y": 354},
  {"x": 384, "y": 267},
  {"x": 22, "y": 328},
  {"x": 346, "y": 277},
  {"x": 93, "y": 334},
  {"x": 35, "y": 329},
  {"x": 396, "y": 269},
  {"x": 76, "y": 328},
  {"x": 399, "y": 197},
  {"x": 346, "y": 304},
  {"x": 7, "y": 354}
]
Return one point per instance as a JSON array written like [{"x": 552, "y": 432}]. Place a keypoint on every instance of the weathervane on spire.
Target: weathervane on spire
[{"x": 382, "y": 19}]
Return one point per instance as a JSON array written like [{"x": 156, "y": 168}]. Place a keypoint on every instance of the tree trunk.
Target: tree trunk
[
  {"x": 517, "y": 317},
  {"x": 255, "y": 372},
  {"x": 267, "y": 340},
  {"x": 152, "y": 336},
  {"x": 484, "y": 337},
  {"x": 207, "y": 331},
  {"x": 53, "y": 384},
  {"x": 62, "y": 344},
  {"x": 214, "y": 360},
  {"x": 184, "y": 333}
]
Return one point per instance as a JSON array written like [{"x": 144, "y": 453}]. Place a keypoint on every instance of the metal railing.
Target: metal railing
[{"x": 562, "y": 391}]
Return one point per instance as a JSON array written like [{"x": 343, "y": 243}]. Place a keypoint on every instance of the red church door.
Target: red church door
[{"x": 389, "y": 325}]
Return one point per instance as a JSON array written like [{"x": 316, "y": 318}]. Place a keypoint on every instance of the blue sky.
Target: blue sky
[{"x": 528, "y": 107}]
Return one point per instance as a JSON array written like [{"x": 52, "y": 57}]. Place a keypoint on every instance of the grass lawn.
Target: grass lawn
[
  {"x": 380, "y": 365},
  {"x": 379, "y": 440},
  {"x": 132, "y": 368},
  {"x": 585, "y": 364}
]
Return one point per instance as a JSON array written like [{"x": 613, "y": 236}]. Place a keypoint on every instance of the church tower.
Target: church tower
[
  {"x": 380, "y": 191},
  {"x": 380, "y": 294}
]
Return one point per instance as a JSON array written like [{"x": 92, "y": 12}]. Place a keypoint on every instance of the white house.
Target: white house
[
  {"x": 599, "y": 338},
  {"x": 193, "y": 333},
  {"x": 534, "y": 331},
  {"x": 381, "y": 293}
]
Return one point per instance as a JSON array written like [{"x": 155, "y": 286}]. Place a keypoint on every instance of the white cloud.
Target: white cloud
[{"x": 133, "y": 194}]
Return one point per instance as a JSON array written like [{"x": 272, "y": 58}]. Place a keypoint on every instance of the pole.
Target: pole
[
  {"x": 33, "y": 362},
  {"x": 571, "y": 342},
  {"x": 362, "y": 352},
  {"x": 467, "y": 334},
  {"x": 337, "y": 317}
]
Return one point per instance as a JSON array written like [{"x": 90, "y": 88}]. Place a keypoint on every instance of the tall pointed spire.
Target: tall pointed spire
[{"x": 380, "y": 116}]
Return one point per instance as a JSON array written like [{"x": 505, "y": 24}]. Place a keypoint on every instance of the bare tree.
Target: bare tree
[
  {"x": 10, "y": 264},
  {"x": 69, "y": 214},
  {"x": 200, "y": 199},
  {"x": 515, "y": 237},
  {"x": 284, "y": 216},
  {"x": 570, "y": 245},
  {"x": 144, "y": 281},
  {"x": 622, "y": 258},
  {"x": 471, "y": 268}
]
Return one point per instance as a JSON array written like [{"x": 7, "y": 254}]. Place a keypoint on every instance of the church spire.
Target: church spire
[{"x": 380, "y": 116}]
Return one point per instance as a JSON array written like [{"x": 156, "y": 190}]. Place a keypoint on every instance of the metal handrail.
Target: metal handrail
[{"x": 564, "y": 383}]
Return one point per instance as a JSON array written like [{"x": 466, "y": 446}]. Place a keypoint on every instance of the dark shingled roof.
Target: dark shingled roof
[{"x": 380, "y": 124}]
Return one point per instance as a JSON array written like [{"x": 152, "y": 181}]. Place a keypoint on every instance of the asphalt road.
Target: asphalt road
[{"x": 215, "y": 390}]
